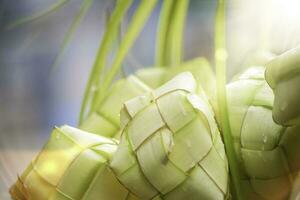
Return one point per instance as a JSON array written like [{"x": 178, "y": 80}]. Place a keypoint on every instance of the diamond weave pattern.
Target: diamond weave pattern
[{"x": 171, "y": 146}]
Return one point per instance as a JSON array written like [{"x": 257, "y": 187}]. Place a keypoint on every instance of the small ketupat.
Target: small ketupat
[
  {"x": 170, "y": 146},
  {"x": 268, "y": 153},
  {"x": 73, "y": 165},
  {"x": 105, "y": 119}
]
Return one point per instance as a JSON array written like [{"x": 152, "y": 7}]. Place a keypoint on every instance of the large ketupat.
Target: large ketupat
[
  {"x": 105, "y": 119},
  {"x": 170, "y": 146},
  {"x": 73, "y": 165},
  {"x": 268, "y": 153},
  {"x": 283, "y": 76}
]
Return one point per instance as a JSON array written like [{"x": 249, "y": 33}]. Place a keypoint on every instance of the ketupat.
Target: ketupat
[
  {"x": 73, "y": 165},
  {"x": 283, "y": 76},
  {"x": 171, "y": 147},
  {"x": 105, "y": 119},
  {"x": 199, "y": 67},
  {"x": 268, "y": 153}
]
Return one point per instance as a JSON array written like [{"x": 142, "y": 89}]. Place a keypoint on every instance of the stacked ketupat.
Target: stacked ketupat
[
  {"x": 171, "y": 147},
  {"x": 73, "y": 165},
  {"x": 283, "y": 76},
  {"x": 105, "y": 119},
  {"x": 268, "y": 153}
]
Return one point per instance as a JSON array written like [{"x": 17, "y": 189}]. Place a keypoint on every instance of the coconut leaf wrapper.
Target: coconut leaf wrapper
[
  {"x": 268, "y": 153},
  {"x": 73, "y": 165},
  {"x": 105, "y": 120},
  {"x": 283, "y": 76},
  {"x": 170, "y": 145}
]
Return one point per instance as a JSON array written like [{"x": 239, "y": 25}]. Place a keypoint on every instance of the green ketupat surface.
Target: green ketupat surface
[
  {"x": 71, "y": 166},
  {"x": 170, "y": 145},
  {"x": 105, "y": 120},
  {"x": 268, "y": 153},
  {"x": 199, "y": 67},
  {"x": 283, "y": 75}
]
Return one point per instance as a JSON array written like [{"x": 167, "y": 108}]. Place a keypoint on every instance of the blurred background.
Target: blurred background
[{"x": 34, "y": 98}]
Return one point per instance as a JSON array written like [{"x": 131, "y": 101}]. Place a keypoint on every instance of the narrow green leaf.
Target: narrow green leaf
[
  {"x": 25, "y": 20},
  {"x": 119, "y": 40},
  {"x": 141, "y": 15},
  {"x": 175, "y": 34},
  {"x": 220, "y": 61},
  {"x": 86, "y": 4},
  {"x": 109, "y": 37},
  {"x": 162, "y": 32}
]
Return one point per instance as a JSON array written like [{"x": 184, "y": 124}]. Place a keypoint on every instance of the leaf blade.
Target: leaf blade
[
  {"x": 84, "y": 8},
  {"x": 25, "y": 20},
  {"x": 141, "y": 15},
  {"x": 104, "y": 48}
]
